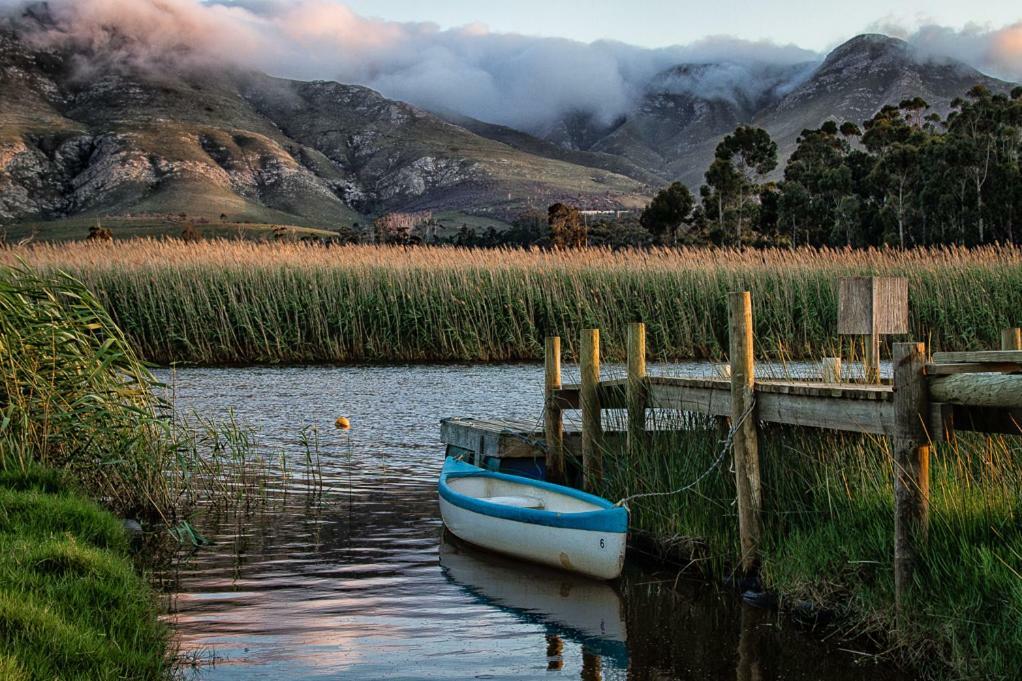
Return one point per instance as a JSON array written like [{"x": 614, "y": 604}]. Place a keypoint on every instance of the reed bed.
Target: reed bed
[
  {"x": 828, "y": 535},
  {"x": 76, "y": 398},
  {"x": 219, "y": 302}
]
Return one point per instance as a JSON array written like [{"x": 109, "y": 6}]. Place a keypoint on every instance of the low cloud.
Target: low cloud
[
  {"x": 994, "y": 51},
  {"x": 516, "y": 80}
]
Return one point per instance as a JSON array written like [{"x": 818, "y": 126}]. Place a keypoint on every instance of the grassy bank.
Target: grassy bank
[
  {"x": 234, "y": 302},
  {"x": 71, "y": 603},
  {"x": 828, "y": 536},
  {"x": 76, "y": 404}
]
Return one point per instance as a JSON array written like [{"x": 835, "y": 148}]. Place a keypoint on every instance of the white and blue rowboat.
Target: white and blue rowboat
[{"x": 534, "y": 520}]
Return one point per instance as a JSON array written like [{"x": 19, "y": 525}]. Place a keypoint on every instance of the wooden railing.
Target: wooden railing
[{"x": 976, "y": 391}]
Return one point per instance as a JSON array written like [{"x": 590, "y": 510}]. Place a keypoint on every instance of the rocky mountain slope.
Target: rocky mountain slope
[
  {"x": 80, "y": 135},
  {"x": 84, "y": 134},
  {"x": 687, "y": 110}
]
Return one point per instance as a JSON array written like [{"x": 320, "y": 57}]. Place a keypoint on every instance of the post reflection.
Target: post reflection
[
  {"x": 554, "y": 651},
  {"x": 592, "y": 666},
  {"x": 750, "y": 639}
]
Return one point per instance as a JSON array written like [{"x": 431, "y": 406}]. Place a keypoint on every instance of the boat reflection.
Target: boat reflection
[{"x": 570, "y": 607}]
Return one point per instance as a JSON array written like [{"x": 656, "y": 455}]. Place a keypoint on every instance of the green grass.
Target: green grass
[
  {"x": 71, "y": 603},
  {"x": 828, "y": 536},
  {"x": 452, "y": 221}
]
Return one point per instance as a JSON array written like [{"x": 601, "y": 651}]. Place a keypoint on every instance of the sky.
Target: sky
[{"x": 812, "y": 24}]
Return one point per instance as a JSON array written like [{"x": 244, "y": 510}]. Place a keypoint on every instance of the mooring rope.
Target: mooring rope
[{"x": 728, "y": 444}]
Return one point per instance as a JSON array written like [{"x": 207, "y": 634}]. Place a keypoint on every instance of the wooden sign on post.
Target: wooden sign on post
[{"x": 871, "y": 307}]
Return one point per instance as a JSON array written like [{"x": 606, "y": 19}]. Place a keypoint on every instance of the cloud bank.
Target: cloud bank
[
  {"x": 994, "y": 51},
  {"x": 516, "y": 80}
]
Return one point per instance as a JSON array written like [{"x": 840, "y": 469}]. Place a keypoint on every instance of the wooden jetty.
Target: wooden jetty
[{"x": 928, "y": 399}]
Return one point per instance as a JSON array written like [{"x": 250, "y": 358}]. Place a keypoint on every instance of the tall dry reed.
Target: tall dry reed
[{"x": 244, "y": 302}]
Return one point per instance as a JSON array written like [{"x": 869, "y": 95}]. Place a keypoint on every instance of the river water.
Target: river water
[{"x": 355, "y": 579}]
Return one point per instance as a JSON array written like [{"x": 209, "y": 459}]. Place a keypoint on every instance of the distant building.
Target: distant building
[{"x": 614, "y": 214}]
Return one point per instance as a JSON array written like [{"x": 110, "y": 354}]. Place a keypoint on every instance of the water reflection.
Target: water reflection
[
  {"x": 358, "y": 584},
  {"x": 569, "y": 607}
]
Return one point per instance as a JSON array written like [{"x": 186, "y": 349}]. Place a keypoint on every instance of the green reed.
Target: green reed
[
  {"x": 81, "y": 422},
  {"x": 829, "y": 528}
]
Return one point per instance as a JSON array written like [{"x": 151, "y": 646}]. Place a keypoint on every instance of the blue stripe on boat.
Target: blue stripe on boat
[{"x": 611, "y": 519}]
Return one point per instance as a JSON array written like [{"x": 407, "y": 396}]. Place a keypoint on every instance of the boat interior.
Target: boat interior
[{"x": 520, "y": 495}]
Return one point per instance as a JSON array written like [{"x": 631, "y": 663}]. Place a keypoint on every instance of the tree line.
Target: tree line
[{"x": 906, "y": 177}]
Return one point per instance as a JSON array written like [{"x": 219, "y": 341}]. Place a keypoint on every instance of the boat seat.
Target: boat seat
[{"x": 516, "y": 501}]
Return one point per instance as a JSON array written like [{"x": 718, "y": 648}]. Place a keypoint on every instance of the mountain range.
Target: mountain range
[{"x": 84, "y": 135}]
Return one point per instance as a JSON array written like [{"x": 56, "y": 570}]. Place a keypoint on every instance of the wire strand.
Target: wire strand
[{"x": 728, "y": 444}]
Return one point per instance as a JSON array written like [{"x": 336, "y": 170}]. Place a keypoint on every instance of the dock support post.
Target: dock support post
[
  {"x": 1011, "y": 339},
  {"x": 911, "y": 462},
  {"x": 871, "y": 358},
  {"x": 589, "y": 403},
  {"x": 637, "y": 397},
  {"x": 746, "y": 439},
  {"x": 553, "y": 419},
  {"x": 830, "y": 370}
]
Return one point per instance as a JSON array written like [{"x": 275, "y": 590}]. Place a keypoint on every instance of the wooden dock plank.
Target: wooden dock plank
[{"x": 504, "y": 438}]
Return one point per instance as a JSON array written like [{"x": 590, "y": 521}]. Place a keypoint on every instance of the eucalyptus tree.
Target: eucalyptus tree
[
  {"x": 741, "y": 161},
  {"x": 669, "y": 209}
]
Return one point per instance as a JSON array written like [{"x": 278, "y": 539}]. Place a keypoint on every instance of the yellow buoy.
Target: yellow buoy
[{"x": 342, "y": 423}]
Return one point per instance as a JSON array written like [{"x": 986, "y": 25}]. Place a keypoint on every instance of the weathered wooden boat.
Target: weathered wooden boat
[{"x": 534, "y": 520}]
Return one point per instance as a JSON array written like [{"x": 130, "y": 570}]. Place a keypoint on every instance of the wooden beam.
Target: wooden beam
[
  {"x": 746, "y": 437},
  {"x": 946, "y": 418},
  {"x": 637, "y": 389},
  {"x": 978, "y": 390},
  {"x": 871, "y": 358},
  {"x": 911, "y": 449},
  {"x": 830, "y": 370},
  {"x": 553, "y": 419},
  {"x": 492, "y": 438},
  {"x": 612, "y": 394},
  {"x": 856, "y": 416},
  {"x": 589, "y": 402},
  {"x": 701, "y": 399},
  {"x": 794, "y": 405},
  {"x": 566, "y": 397},
  {"x": 995, "y": 356},
  {"x": 1011, "y": 339},
  {"x": 972, "y": 368}
]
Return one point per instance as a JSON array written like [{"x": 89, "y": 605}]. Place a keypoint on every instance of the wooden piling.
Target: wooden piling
[
  {"x": 637, "y": 397},
  {"x": 911, "y": 449},
  {"x": 589, "y": 403},
  {"x": 746, "y": 440},
  {"x": 553, "y": 419},
  {"x": 830, "y": 370},
  {"x": 1011, "y": 339},
  {"x": 871, "y": 358}
]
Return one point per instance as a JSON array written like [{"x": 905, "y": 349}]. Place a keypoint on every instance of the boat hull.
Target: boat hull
[{"x": 594, "y": 546}]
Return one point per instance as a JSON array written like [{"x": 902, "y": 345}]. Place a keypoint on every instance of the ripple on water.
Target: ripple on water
[{"x": 360, "y": 583}]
